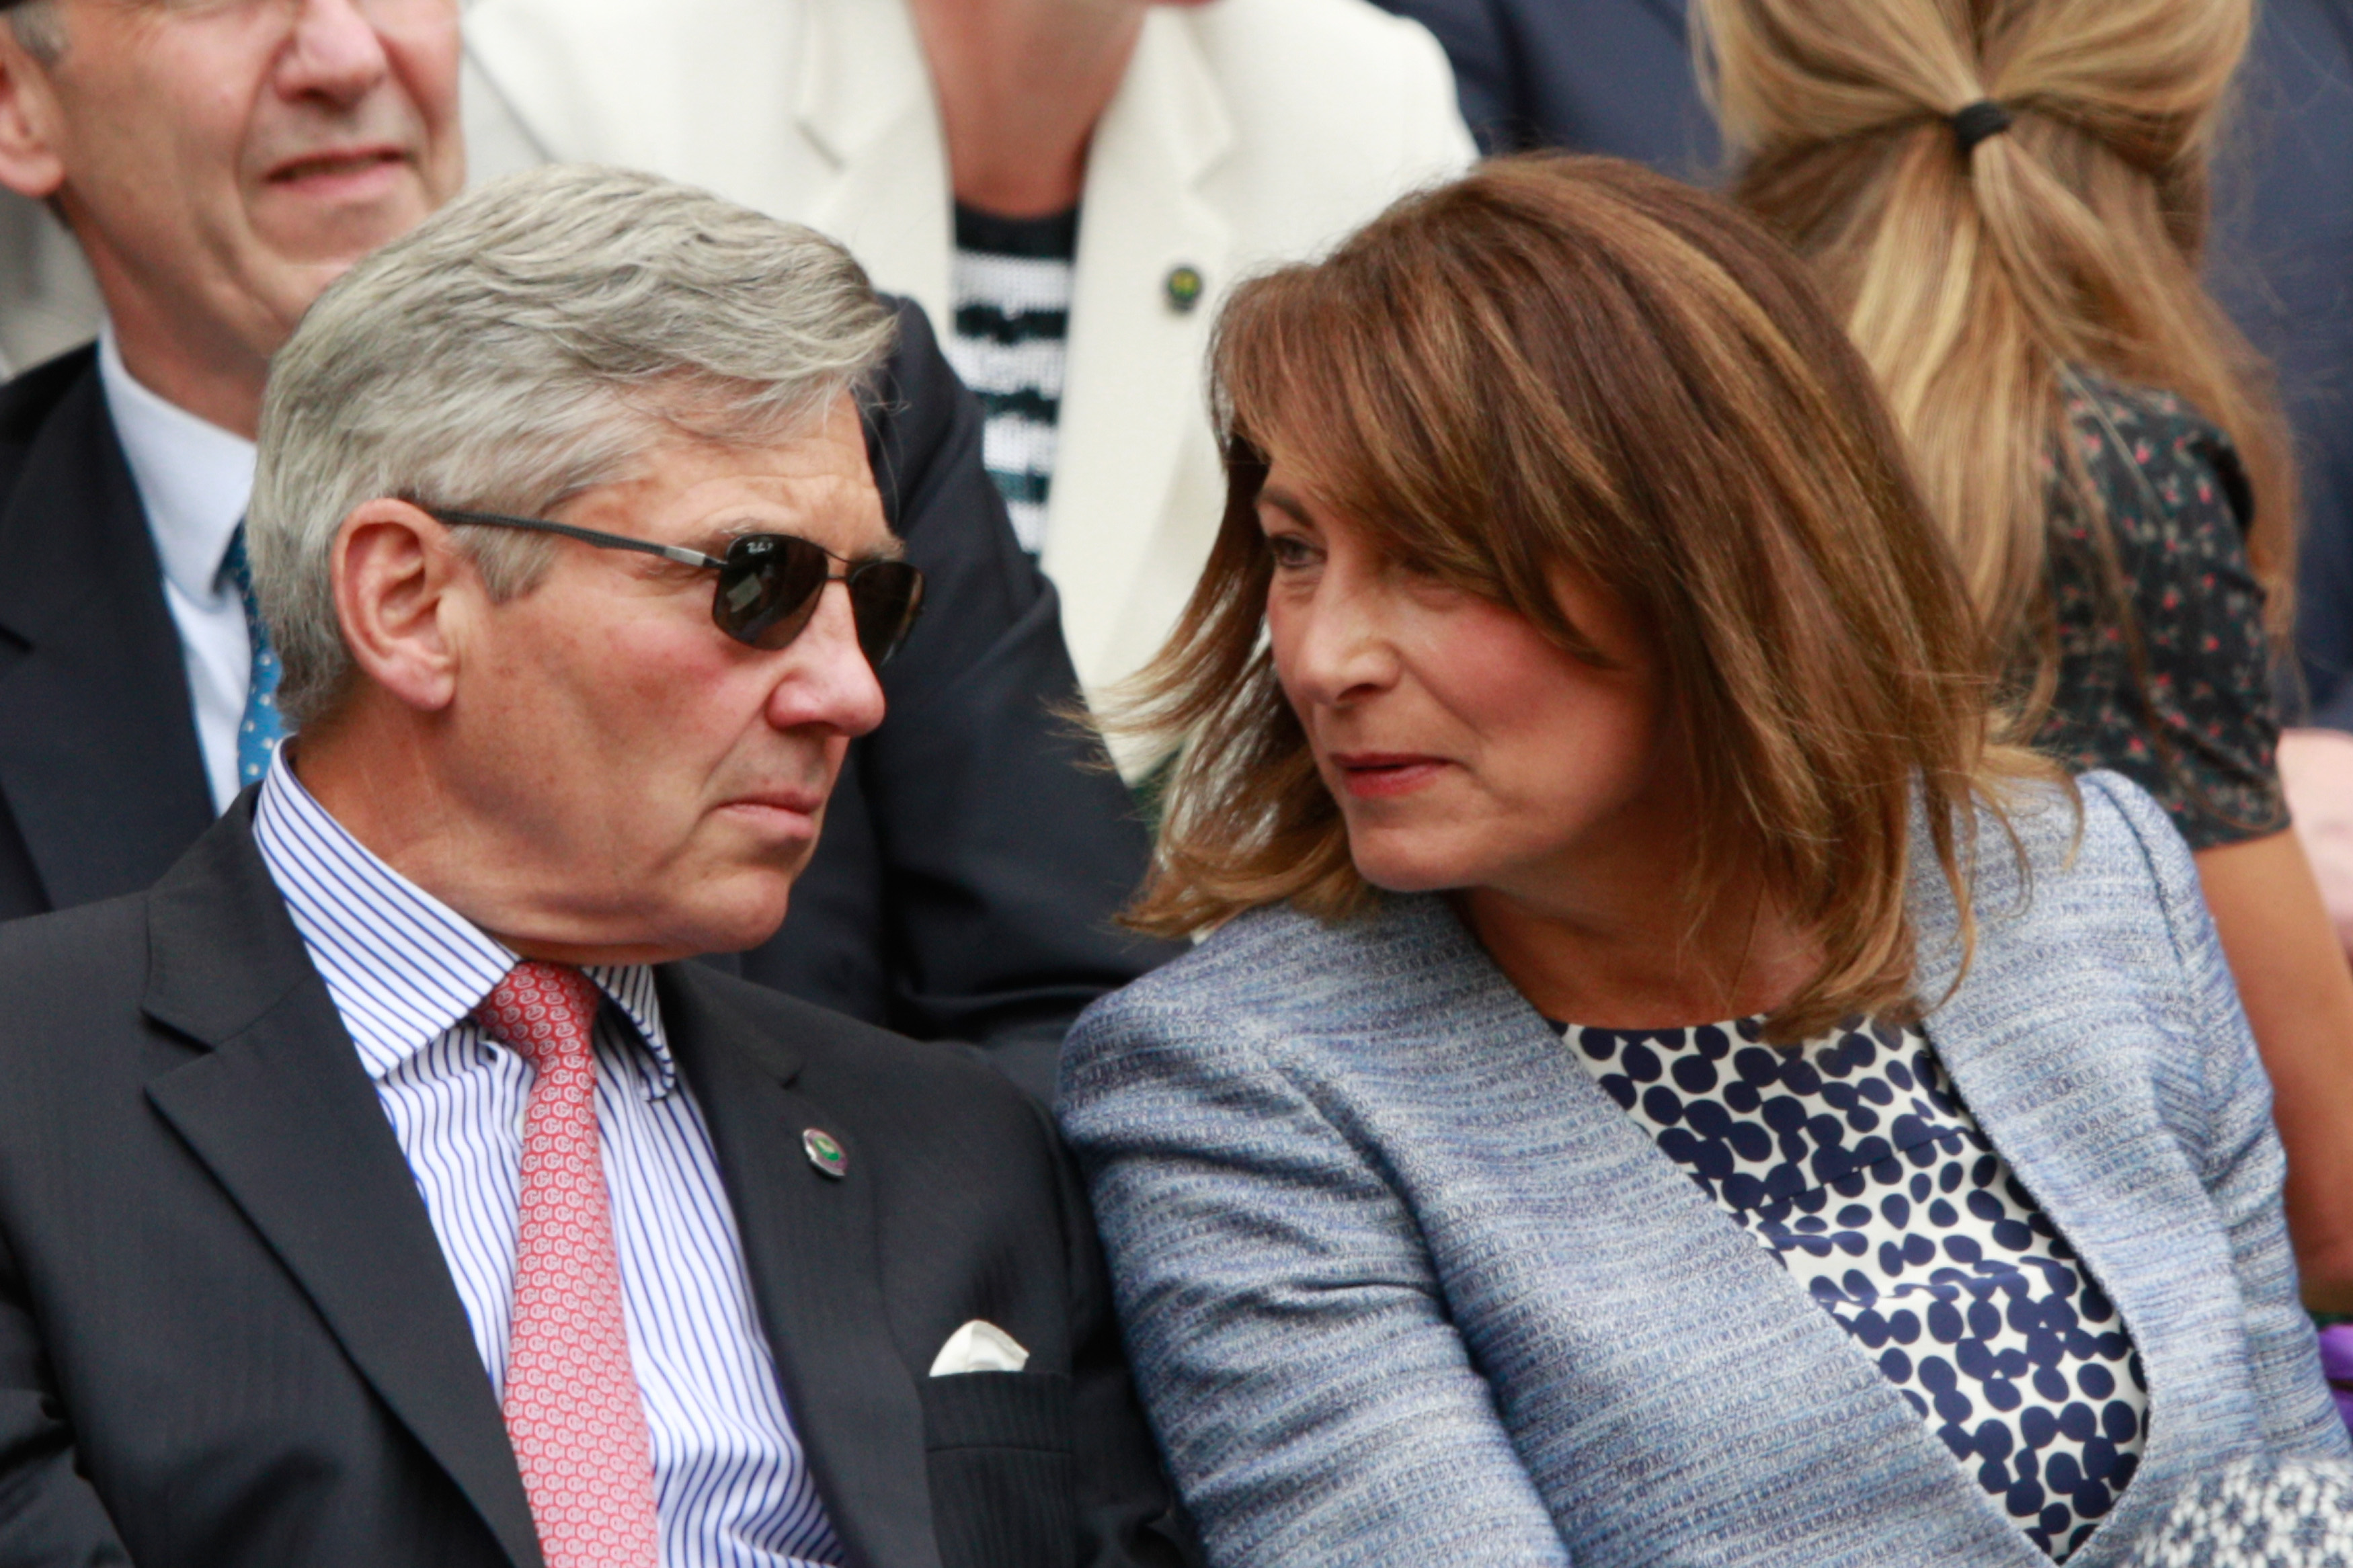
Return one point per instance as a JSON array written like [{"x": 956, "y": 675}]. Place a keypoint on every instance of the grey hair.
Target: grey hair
[
  {"x": 40, "y": 31},
  {"x": 531, "y": 340}
]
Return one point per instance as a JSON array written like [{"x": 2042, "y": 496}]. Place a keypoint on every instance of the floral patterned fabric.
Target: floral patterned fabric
[{"x": 2196, "y": 724}]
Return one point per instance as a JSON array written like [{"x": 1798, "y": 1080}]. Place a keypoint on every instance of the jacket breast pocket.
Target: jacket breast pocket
[{"x": 998, "y": 1447}]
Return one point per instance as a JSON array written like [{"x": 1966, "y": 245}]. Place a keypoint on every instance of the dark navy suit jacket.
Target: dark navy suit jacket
[
  {"x": 2283, "y": 263},
  {"x": 1600, "y": 76},
  {"x": 973, "y": 855},
  {"x": 228, "y": 1337}
]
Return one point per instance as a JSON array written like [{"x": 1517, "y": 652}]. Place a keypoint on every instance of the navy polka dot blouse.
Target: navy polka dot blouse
[{"x": 1854, "y": 1163}]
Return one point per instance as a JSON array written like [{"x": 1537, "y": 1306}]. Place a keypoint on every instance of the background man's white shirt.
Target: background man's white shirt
[{"x": 194, "y": 480}]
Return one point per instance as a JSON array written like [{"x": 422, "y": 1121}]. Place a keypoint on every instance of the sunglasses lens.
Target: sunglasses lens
[
  {"x": 768, "y": 589},
  {"x": 884, "y": 598}
]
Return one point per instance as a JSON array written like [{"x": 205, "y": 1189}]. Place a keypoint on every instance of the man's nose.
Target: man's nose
[
  {"x": 335, "y": 52},
  {"x": 827, "y": 679}
]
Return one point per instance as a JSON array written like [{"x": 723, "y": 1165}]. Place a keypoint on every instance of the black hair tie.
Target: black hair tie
[{"x": 1973, "y": 122}]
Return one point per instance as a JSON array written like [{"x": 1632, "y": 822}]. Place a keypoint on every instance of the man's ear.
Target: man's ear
[
  {"x": 31, "y": 122},
  {"x": 394, "y": 568}
]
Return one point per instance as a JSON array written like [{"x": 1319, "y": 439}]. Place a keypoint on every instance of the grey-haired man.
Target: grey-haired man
[
  {"x": 566, "y": 531},
  {"x": 219, "y": 162}
]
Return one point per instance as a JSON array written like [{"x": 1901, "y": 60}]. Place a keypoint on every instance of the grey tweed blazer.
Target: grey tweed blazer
[{"x": 1401, "y": 1285}]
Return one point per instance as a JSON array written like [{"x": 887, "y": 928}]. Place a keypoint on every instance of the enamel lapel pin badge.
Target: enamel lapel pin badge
[{"x": 828, "y": 1156}]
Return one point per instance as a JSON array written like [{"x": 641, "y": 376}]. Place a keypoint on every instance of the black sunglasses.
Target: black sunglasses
[{"x": 768, "y": 583}]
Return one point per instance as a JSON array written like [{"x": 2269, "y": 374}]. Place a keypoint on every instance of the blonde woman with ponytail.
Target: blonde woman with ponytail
[{"x": 2007, "y": 201}]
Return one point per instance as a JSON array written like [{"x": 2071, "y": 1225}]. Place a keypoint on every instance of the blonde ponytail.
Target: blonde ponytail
[{"x": 1973, "y": 278}]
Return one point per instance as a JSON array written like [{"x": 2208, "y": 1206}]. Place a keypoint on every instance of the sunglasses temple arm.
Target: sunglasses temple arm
[
  {"x": 679, "y": 554},
  {"x": 686, "y": 557}
]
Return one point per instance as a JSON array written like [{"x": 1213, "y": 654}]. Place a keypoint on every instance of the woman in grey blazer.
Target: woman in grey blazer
[{"x": 1665, "y": 1084}]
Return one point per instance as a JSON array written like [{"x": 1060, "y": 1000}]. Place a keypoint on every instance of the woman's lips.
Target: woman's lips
[{"x": 1376, "y": 776}]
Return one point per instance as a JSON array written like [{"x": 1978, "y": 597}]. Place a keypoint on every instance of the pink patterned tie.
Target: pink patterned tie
[{"x": 572, "y": 1406}]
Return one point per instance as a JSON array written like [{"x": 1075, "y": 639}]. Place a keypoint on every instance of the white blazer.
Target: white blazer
[{"x": 1245, "y": 133}]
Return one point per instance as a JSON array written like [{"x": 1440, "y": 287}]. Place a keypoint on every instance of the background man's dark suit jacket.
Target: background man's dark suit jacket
[
  {"x": 2283, "y": 264},
  {"x": 227, "y": 1336},
  {"x": 972, "y": 856},
  {"x": 1615, "y": 76},
  {"x": 1598, "y": 76}
]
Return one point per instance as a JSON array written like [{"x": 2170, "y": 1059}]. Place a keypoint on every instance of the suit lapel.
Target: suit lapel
[
  {"x": 99, "y": 758},
  {"x": 816, "y": 111},
  {"x": 1123, "y": 546},
  {"x": 1613, "y": 1225},
  {"x": 282, "y": 1112},
  {"x": 810, "y": 1248},
  {"x": 862, "y": 97},
  {"x": 2041, "y": 1065}
]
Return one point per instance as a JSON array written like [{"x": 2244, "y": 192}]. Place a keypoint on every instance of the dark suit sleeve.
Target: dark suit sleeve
[
  {"x": 979, "y": 845},
  {"x": 1595, "y": 75},
  {"x": 1486, "y": 73},
  {"x": 2283, "y": 227},
  {"x": 1128, "y": 1511},
  {"x": 49, "y": 1513}
]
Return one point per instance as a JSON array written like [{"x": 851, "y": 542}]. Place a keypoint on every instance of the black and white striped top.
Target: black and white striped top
[{"x": 1012, "y": 294}]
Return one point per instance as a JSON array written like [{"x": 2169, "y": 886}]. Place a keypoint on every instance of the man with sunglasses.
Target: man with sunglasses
[
  {"x": 384, "y": 1188},
  {"x": 218, "y": 165}
]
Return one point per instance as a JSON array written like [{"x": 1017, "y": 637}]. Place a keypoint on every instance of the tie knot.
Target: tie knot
[{"x": 544, "y": 1011}]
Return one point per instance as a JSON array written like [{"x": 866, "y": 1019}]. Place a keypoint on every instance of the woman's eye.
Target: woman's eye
[{"x": 1289, "y": 549}]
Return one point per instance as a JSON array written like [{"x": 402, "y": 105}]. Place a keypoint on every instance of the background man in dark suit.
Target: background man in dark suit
[
  {"x": 219, "y": 164},
  {"x": 567, "y": 536},
  {"x": 1598, "y": 76}
]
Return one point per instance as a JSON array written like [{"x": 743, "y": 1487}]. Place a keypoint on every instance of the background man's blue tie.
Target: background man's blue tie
[{"x": 260, "y": 730}]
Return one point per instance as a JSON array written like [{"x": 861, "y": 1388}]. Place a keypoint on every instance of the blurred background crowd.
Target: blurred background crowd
[{"x": 951, "y": 145}]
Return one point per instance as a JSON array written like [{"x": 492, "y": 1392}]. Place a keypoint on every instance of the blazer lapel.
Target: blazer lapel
[
  {"x": 816, "y": 111},
  {"x": 809, "y": 1246},
  {"x": 282, "y": 1112},
  {"x": 862, "y": 97},
  {"x": 1613, "y": 1225},
  {"x": 99, "y": 758},
  {"x": 2036, "y": 1063},
  {"x": 1121, "y": 544}
]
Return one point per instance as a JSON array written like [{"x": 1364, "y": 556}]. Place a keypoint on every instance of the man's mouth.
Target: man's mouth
[
  {"x": 340, "y": 164},
  {"x": 808, "y": 803},
  {"x": 786, "y": 814}
]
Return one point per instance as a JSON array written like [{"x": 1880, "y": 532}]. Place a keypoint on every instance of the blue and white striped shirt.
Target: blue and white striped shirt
[{"x": 730, "y": 1482}]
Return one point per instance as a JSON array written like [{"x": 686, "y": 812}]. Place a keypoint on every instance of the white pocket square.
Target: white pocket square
[{"x": 979, "y": 1346}]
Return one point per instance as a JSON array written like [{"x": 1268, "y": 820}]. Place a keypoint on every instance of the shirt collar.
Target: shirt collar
[
  {"x": 402, "y": 967},
  {"x": 194, "y": 478}
]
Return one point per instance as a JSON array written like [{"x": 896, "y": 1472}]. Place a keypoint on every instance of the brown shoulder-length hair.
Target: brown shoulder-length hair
[{"x": 1568, "y": 362}]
